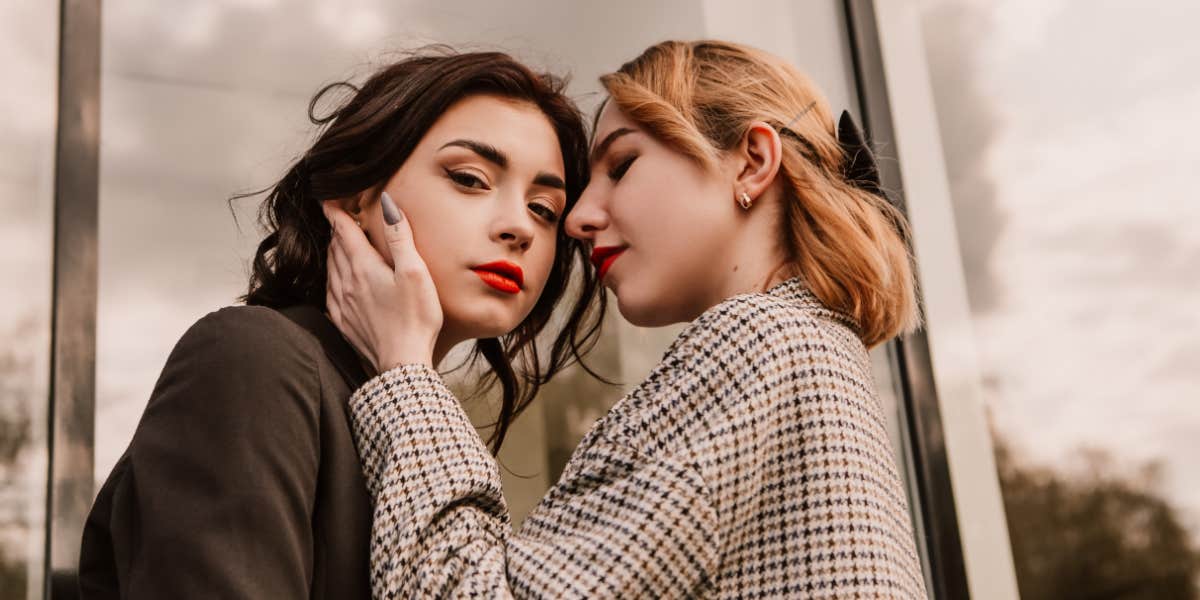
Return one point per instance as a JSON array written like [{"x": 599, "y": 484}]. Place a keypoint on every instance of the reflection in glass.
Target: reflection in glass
[
  {"x": 28, "y": 58},
  {"x": 219, "y": 107},
  {"x": 1072, "y": 164}
]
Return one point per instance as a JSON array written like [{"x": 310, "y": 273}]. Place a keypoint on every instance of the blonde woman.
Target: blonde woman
[{"x": 753, "y": 461}]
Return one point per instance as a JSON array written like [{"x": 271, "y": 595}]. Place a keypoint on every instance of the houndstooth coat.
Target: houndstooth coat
[{"x": 753, "y": 462}]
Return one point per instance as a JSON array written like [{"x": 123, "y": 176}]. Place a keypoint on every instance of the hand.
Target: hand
[{"x": 392, "y": 316}]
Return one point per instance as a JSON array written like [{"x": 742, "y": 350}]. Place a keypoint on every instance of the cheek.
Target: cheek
[
  {"x": 437, "y": 220},
  {"x": 679, "y": 233},
  {"x": 538, "y": 264},
  {"x": 671, "y": 222}
]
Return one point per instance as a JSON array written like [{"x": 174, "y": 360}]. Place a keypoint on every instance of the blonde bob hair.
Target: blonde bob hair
[{"x": 848, "y": 244}]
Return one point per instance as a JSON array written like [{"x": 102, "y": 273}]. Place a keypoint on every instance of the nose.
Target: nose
[
  {"x": 588, "y": 216},
  {"x": 514, "y": 227}
]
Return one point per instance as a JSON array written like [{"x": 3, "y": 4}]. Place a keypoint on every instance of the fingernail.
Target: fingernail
[{"x": 391, "y": 214}]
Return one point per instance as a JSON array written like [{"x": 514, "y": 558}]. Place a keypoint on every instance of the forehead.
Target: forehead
[
  {"x": 517, "y": 128},
  {"x": 610, "y": 119}
]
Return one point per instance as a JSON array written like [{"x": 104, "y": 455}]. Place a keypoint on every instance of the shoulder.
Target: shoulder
[
  {"x": 250, "y": 333},
  {"x": 752, "y": 344},
  {"x": 755, "y": 344},
  {"x": 239, "y": 373},
  {"x": 247, "y": 348},
  {"x": 241, "y": 385},
  {"x": 758, "y": 326}
]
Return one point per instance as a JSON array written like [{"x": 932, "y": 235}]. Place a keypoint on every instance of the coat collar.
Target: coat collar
[
  {"x": 796, "y": 291},
  {"x": 340, "y": 352}
]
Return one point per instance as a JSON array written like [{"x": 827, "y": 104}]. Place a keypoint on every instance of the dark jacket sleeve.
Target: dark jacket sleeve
[{"x": 214, "y": 497}]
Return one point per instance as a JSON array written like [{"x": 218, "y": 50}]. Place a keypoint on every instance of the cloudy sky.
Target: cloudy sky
[{"x": 1070, "y": 130}]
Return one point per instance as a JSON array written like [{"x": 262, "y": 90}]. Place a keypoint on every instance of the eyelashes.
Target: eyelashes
[
  {"x": 617, "y": 172},
  {"x": 544, "y": 211},
  {"x": 466, "y": 179},
  {"x": 470, "y": 181}
]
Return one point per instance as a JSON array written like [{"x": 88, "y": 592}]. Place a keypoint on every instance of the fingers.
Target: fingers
[
  {"x": 389, "y": 314},
  {"x": 333, "y": 281},
  {"x": 354, "y": 239},
  {"x": 347, "y": 266},
  {"x": 340, "y": 263},
  {"x": 338, "y": 274},
  {"x": 338, "y": 305},
  {"x": 398, "y": 233},
  {"x": 337, "y": 217}
]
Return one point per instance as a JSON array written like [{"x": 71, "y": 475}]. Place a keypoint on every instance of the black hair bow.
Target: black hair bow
[{"x": 859, "y": 167}]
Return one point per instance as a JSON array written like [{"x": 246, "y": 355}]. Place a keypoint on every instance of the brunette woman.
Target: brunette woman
[{"x": 242, "y": 480}]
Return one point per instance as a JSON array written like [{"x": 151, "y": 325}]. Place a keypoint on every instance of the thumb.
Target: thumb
[{"x": 398, "y": 233}]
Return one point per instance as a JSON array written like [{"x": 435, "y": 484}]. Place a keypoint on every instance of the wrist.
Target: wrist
[{"x": 405, "y": 356}]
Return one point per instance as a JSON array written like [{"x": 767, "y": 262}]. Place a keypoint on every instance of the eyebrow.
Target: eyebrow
[
  {"x": 602, "y": 147},
  {"x": 500, "y": 159},
  {"x": 487, "y": 151},
  {"x": 550, "y": 180}
]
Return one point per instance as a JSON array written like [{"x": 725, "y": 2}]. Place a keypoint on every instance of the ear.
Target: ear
[
  {"x": 757, "y": 159},
  {"x": 362, "y": 201}
]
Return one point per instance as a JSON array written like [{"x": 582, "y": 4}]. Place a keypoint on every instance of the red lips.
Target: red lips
[
  {"x": 603, "y": 257},
  {"x": 501, "y": 275}
]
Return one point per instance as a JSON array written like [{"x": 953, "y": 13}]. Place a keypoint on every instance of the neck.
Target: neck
[
  {"x": 758, "y": 262},
  {"x": 758, "y": 276},
  {"x": 441, "y": 348},
  {"x": 443, "y": 345}
]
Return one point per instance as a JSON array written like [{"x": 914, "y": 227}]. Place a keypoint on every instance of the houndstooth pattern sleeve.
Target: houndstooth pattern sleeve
[
  {"x": 753, "y": 462},
  {"x": 439, "y": 513},
  {"x": 620, "y": 525}
]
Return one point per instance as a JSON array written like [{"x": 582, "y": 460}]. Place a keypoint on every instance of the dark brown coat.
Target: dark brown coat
[{"x": 241, "y": 480}]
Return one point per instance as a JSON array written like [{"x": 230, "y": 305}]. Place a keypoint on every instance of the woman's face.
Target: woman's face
[
  {"x": 483, "y": 192},
  {"x": 661, "y": 226}
]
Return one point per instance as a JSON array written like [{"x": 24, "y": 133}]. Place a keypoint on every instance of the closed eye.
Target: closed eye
[{"x": 617, "y": 172}]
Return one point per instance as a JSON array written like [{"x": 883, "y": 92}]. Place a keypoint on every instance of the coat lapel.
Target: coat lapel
[{"x": 339, "y": 351}]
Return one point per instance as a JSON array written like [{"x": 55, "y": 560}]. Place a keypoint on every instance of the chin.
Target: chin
[
  {"x": 483, "y": 318},
  {"x": 644, "y": 314}
]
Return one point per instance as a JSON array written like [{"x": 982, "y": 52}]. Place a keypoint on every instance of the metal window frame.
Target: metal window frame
[
  {"x": 72, "y": 397},
  {"x": 961, "y": 507},
  {"x": 910, "y": 353}
]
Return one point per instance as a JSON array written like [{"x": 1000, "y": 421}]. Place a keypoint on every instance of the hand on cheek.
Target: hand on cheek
[{"x": 390, "y": 313}]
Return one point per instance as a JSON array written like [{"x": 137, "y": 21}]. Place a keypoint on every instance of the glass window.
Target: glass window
[
  {"x": 219, "y": 105},
  {"x": 1069, "y": 133},
  {"x": 29, "y": 60}
]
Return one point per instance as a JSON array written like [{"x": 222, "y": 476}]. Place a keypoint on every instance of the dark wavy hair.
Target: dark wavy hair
[{"x": 366, "y": 139}]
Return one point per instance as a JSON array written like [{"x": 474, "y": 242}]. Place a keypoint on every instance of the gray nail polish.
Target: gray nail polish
[{"x": 391, "y": 214}]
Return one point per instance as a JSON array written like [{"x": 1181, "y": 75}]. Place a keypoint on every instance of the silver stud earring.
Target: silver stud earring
[
  {"x": 359, "y": 223},
  {"x": 744, "y": 201}
]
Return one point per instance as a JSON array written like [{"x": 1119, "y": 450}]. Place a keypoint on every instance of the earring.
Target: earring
[
  {"x": 744, "y": 201},
  {"x": 358, "y": 223}
]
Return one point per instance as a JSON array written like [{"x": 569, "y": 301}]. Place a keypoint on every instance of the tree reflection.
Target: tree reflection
[
  {"x": 16, "y": 392},
  {"x": 1096, "y": 531}
]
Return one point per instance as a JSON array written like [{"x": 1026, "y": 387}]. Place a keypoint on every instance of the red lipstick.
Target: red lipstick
[
  {"x": 501, "y": 275},
  {"x": 603, "y": 257}
]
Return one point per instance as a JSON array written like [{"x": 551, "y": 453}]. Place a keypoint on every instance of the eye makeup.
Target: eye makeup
[
  {"x": 621, "y": 167},
  {"x": 545, "y": 212},
  {"x": 466, "y": 179}
]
